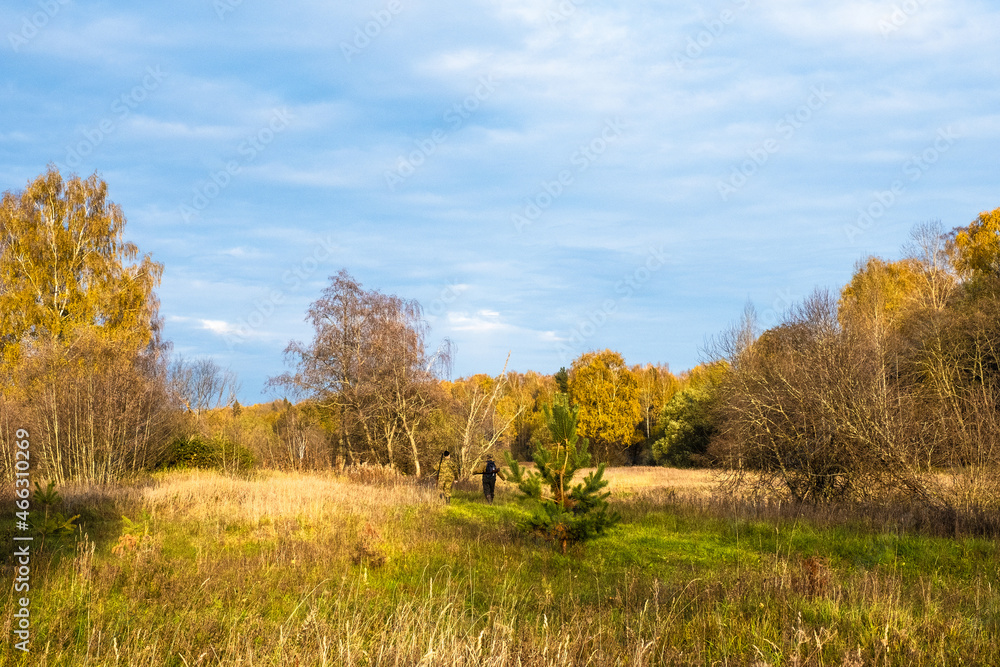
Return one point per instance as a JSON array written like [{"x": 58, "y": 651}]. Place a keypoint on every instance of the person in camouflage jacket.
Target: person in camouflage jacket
[{"x": 446, "y": 475}]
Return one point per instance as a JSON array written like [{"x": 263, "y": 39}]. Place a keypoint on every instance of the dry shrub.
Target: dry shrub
[
  {"x": 126, "y": 544},
  {"x": 371, "y": 474},
  {"x": 96, "y": 409},
  {"x": 813, "y": 577},
  {"x": 370, "y": 548},
  {"x": 893, "y": 514},
  {"x": 812, "y": 409}
]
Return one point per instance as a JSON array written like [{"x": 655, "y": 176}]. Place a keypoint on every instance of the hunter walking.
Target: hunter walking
[
  {"x": 490, "y": 471},
  {"x": 446, "y": 475}
]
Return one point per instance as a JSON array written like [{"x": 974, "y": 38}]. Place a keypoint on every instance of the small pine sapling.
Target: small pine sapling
[
  {"x": 52, "y": 523},
  {"x": 563, "y": 512}
]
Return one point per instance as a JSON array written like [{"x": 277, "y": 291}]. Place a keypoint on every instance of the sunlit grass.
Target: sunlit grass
[{"x": 311, "y": 569}]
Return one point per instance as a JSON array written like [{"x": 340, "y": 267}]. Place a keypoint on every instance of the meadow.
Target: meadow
[{"x": 200, "y": 568}]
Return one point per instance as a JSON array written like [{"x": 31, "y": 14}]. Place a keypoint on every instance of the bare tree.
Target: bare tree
[
  {"x": 96, "y": 410},
  {"x": 928, "y": 245},
  {"x": 367, "y": 363},
  {"x": 482, "y": 424},
  {"x": 958, "y": 369},
  {"x": 812, "y": 409},
  {"x": 202, "y": 384}
]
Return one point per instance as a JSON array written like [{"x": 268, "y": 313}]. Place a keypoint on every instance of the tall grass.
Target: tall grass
[{"x": 286, "y": 569}]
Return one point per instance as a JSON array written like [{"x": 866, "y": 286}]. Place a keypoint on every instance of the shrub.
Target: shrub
[
  {"x": 195, "y": 451},
  {"x": 689, "y": 421}
]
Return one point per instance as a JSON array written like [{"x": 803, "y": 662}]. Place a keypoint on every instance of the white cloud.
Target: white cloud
[
  {"x": 807, "y": 20},
  {"x": 118, "y": 40},
  {"x": 219, "y": 327},
  {"x": 479, "y": 322},
  {"x": 321, "y": 177},
  {"x": 558, "y": 82},
  {"x": 451, "y": 62},
  {"x": 167, "y": 130},
  {"x": 14, "y": 136},
  {"x": 241, "y": 252},
  {"x": 551, "y": 337}
]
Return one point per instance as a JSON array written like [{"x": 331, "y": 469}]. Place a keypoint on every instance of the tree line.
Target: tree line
[
  {"x": 878, "y": 388},
  {"x": 86, "y": 369},
  {"x": 368, "y": 369}
]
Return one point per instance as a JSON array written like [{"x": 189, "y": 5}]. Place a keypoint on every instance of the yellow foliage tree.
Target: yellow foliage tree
[
  {"x": 64, "y": 267},
  {"x": 976, "y": 248},
  {"x": 608, "y": 395},
  {"x": 880, "y": 294},
  {"x": 485, "y": 415},
  {"x": 525, "y": 396},
  {"x": 79, "y": 331},
  {"x": 656, "y": 386}
]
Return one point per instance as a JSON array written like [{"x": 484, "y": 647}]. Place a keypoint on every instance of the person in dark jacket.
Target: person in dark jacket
[{"x": 490, "y": 471}]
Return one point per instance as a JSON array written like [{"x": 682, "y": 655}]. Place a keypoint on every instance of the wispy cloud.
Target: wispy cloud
[
  {"x": 562, "y": 70},
  {"x": 478, "y": 322}
]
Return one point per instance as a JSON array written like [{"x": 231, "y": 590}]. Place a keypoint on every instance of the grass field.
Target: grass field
[{"x": 300, "y": 569}]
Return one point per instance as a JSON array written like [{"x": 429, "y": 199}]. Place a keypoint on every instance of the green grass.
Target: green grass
[{"x": 321, "y": 570}]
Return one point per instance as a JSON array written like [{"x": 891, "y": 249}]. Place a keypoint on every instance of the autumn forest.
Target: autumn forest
[{"x": 856, "y": 392}]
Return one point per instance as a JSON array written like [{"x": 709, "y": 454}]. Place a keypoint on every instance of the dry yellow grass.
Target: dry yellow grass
[
  {"x": 206, "y": 495},
  {"x": 623, "y": 481},
  {"x": 203, "y": 495},
  {"x": 628, "y": 480},
  {"x": 318, "y": 569}
]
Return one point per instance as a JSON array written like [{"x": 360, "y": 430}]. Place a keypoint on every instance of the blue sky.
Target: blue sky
[{"x": 545, "y": 177}]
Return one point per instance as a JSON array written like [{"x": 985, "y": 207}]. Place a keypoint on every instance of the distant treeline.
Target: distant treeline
[{"x": 852, "y": 394}]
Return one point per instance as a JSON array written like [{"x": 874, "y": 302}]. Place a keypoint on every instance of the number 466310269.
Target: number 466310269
[{"x": 22, "y": 485}]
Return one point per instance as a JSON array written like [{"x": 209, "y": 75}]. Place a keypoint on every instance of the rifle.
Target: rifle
[{"x": 437, "y": 477}]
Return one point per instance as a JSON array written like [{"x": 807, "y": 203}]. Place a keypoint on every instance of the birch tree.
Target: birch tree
[
  {"x": 80, "y": 345},
  {"x": 367, "y": 362}
]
